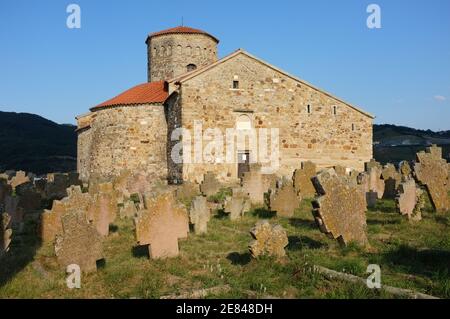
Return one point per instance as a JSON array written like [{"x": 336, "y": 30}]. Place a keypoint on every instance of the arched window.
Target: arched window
[
  {"x": 163, "y": 51},
  {"x": 191, "y": 67},
  {"x": 243, "y": 122},
  {"x": 155, "y": 51},
  {"x": 197, "y": 51},
  {"x": 188, "y": 50},
  {"x": 169, "y": 50},
  {"x": 180, "y": 50},
  {"x": 335, "y": 110}
]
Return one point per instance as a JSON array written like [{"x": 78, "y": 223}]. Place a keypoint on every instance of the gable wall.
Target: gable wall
[{"x": 277, "y": 101}]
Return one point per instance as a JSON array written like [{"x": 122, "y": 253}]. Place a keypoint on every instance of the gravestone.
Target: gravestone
[
  {"x": 376, "y": 183},
  {"x": 11, "y": 207},
  {"x": 237, "y": 205},
  {"x": 187, "y": 191},
  {"x": 128, "y": 210},
  {"x": 5, "y": 190},
  {"x": 103, "y": 209},
  {"x": 199, "y": 215},
  {"x": 283, "y": 200},
  {"x": 302, "y": 180},
  {"x": 404, "y": 169},
  {"x": 19, "y": 178},
  {"x": 392, "y": 179},
  {"x": 268, "y": 240},
  {"x": 210, "y": 185},
  {"x": 56, "y": 186},
  {"x": 373, "y": 163},
  {"x": 5, "y": 233},
  {"x": 340, "y": 170},
  {"x": 340, "y": 209},
  {"x": 431, "y": 171},
  {"x": 254, "y": 187},
  {"x": 161, "y": 225},
  {"x": 79, "y": 243},
  {"x": 29, "y": 198},
  {"x": 408, "y": 200}
]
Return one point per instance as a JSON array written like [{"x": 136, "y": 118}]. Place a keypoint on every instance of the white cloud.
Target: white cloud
[{"x": 440, "y": 98}]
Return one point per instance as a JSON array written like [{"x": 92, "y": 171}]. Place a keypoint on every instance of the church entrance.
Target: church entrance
[{"x": 243, "y": 163}]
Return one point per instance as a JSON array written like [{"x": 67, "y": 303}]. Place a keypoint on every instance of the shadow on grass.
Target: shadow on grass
[
  {"x": 140, "y": 251},
  {"x": 22, "y": 251},
  {"x": 384, "y": 206},
  {"x": 264, "y": 213},
  {"x": 427, "y": 262},
  {"x": 241, "y": 259},
  {"x": 113, "y": 228},
  {"x": 302, "y": 242},
  {"x": 303, "y": 223},
  {"x": 221, "y": 214},
  {"x": 373, "y": 221}
]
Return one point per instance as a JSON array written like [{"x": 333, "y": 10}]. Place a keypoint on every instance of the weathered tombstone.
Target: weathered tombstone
[
  {"x": 340, "y": 209},
  {"x": 376, "y": 183},
  {"x": 73, "y": 178},
  {"x": 128, "y": 210},
  {"x": 253, "y": 186},
  {"x": 373, "y": 163},
  {"x": 302, "y": 180},
  {"x": 404, "y": 169},
  {"x": 268, "y": 240},
  {"x": 237, "y": 205},
  {"x": 103, "y": 209},
  {"x": 20, "y": 178},
  {"x": 5, "y": 233},
  {"x": 187, "y": 191},
  {"x": 79, "y": 242},
  {"x": 283, "y": 200},
  {"x": 199, "y": 215},
  {"x": 431, "y": 171},
  {"x": 408, "y": 200},
  {"x": 161, "y": 225},
  {"x": 210, "y": 185},
  {"x": 51, "y": 219},
  {"x": 371, "y": 199},
  {"x": 391, "y": 179},
  {"x": 11, "y": 207},
  {"x": 340, "y": 170}
]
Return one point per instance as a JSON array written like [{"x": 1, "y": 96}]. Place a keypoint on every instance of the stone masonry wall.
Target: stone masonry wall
[
  {"x": 127, "y": 137},
  {"x": 169, "y": 55},
  {"x": 330, "y": 133}
]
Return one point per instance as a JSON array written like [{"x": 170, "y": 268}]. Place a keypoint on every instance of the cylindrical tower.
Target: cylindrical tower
[{"x": 176, "y": 51}]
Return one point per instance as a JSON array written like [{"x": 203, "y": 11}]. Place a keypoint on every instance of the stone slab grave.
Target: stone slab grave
[
  {"x": 103, "y": 208},
  {"x": 199, "y": 215},
  {"x": 268, "y": 240},
  {"x": 255, "y": 184},
  {"x": 404, "y": 169},
  {"x": 340, "y": 170},
  {"x": 340, "y": 209},
  {"x": 210, "y": 185},
  {"x": 79, "y": 243},
  {"x": 283, "y": 200},
  {"x": 187, "y": 191},
  {"x": 51, "y": 224},
  {"x": 19, "y": 178},
  {"x": 408, "y": 200},
  {"x": 161, "y": 224},
  {"x": 237, "y": 204},
  {"x": 5, "y": 233},
  {"x": 302, "y": 180},
  {"x": 375, "y": 182},
  {"x": 431, "y": 171},
  {"x": 392, "y": 179}
]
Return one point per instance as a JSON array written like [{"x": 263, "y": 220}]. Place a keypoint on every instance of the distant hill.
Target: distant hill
[
  {"x": 32, "y": 143},
  {"x": 396, "y": 143}
]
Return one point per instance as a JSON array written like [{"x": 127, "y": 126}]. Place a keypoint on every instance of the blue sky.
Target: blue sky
[{"x": 400, "y": 73}]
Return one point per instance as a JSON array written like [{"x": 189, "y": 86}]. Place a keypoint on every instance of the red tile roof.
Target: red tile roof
[
  {"x": 146, "y": 93},
  {"x": 181, "y": 30}
]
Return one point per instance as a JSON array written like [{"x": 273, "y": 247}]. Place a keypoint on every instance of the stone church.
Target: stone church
[{"x": 188, "y": 84}]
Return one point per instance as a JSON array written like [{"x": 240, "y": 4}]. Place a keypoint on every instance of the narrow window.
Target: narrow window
[
  {"x": 235, "y": 84},
  {"x": 353, "y": 127},
  {"x": 308, "y": 108},
  {"x": 191, "y": 67},
  {"x": 334, "y": 110}
]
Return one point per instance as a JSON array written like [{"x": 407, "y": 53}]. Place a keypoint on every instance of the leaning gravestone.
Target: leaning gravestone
[
  {"x": 391, "y": 178},
  {"x": 161, "y": 225},
  {"x": 210, "y": 185},
  {"x": 302, "y": 180},
  {"x": 431, "y": 171},
  {"x": 340, "y": 209},
  {"x": 268, "y": 240},
  {"x": 408, "y": 200},
  {"x": 199, "y": 215},
  {"x": 237, "y": 205},
  {"x": 79, "y": 242},
  {"x": 283, "y": 199},
  {"x": 5, "y": 233}
]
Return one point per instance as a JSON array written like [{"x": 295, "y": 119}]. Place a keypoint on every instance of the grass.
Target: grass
[{"x": 411, "y": 255}]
